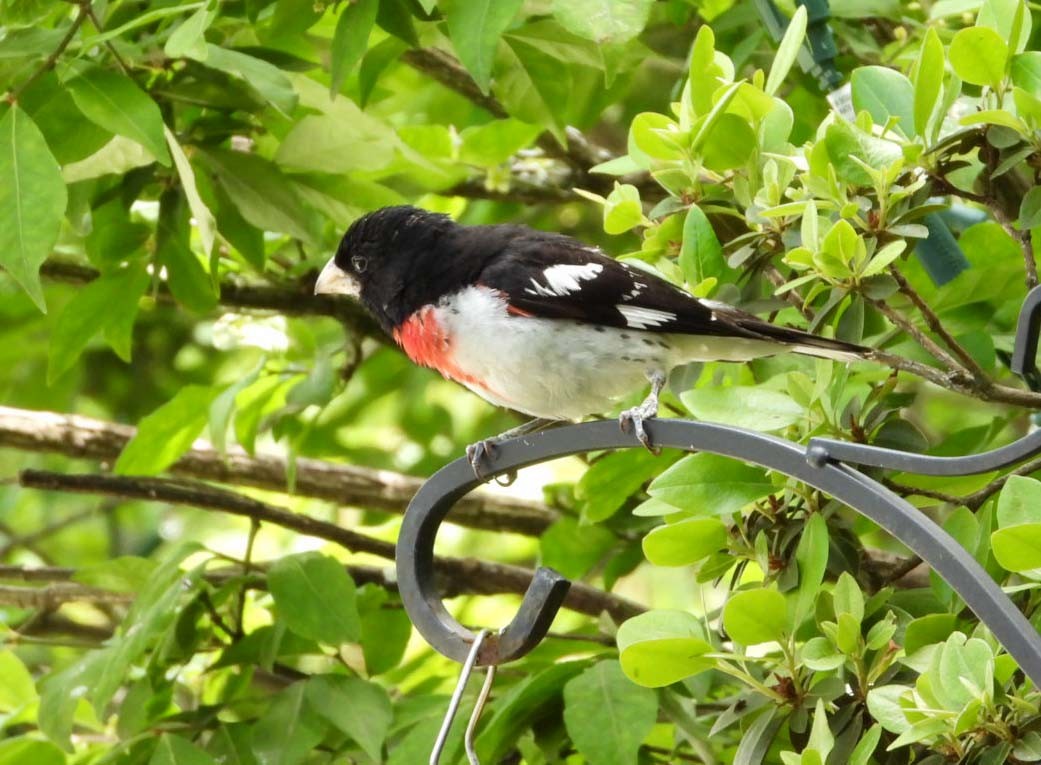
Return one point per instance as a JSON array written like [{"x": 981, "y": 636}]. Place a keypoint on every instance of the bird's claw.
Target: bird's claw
[
  {"x": 479, "y": 453},
  {"x": 632, "y": 419},
  {"x": 482, "y": 453}
]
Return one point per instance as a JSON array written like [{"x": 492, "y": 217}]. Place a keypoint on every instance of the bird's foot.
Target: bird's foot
[
  {"x": 483, "y": 453},
  {"x": 632, "y": 420}
]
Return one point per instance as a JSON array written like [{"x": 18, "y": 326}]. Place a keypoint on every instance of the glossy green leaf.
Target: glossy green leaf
[
  {"x": 115, "y": 102},
  {"x": 884, "y": 93},
  {"x": 475, "y": 27},
  {"x": 701, "y": 255},
  {"x": 812, "y": 558},
  {"x": 1018, "y": 548},
  {"x": 350, "y": 39},
  {"x": 684, "y": 542},
  {"x": 978, "y": 55},
  {"x": 756, "y": 616},
  {"x": 622, "y": 209},
  {"x": 607, "y": 716},
  {"x": 755, "y": 408},
  {"x": 708, "y": 484},
  {"x": 928, "y": 80},
  {"x": 787, "y": 51},
  {"x": 315, "y": 596},
  {"x": 1019, "y": 501},
  {"x": 661, "y": 647},
  {"x": 32, "y": 201},
  {"x": 167, "y": 433}
]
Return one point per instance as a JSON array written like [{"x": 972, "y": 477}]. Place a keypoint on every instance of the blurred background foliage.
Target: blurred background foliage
[{"x": 204, "y": 465}]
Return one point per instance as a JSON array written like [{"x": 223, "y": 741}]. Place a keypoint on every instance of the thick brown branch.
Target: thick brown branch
[
  {"x": 480, "y": 577},
  {"x": 77, "y": 436}
]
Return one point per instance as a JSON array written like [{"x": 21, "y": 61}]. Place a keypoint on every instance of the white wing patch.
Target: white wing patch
[
  {"x": 563, "y": 279},
  {"x": 641, "y": 318}
]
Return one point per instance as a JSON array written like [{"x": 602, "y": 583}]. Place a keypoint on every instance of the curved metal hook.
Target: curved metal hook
[
  {"x": 937, "y": 548},
  {"x": 1024, "y": 364}
]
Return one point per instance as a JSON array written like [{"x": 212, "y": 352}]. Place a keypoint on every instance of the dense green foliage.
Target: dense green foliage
[{"x": 172, "y": 176}]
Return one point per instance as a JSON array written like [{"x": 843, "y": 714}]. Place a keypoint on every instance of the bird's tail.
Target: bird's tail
[{"x": 807, "y": 343}]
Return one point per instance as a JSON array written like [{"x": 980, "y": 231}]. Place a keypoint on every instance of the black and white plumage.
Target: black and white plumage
[{"x": 539, "y": 322}]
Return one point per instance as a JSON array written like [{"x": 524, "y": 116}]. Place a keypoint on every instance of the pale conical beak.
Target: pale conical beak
[{"x": 335, "y": 281}]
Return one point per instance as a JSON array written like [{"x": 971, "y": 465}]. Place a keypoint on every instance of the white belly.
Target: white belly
[{"x": 564, "y": 369}]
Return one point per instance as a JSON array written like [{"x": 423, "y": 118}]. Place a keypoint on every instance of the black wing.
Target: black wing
[{"x": 556, "y": 277}]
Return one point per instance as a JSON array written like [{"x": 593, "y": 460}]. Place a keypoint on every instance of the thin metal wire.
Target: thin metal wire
[
  {"x": 457, "y": 696},
  {"x": 471, "y": 727}
]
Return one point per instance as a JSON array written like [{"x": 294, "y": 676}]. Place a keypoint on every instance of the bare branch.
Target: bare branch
[
  {"x": 479, "y": 577},
  {"x": 54, "y": 595},
  {"x": 385, "y": 490}
]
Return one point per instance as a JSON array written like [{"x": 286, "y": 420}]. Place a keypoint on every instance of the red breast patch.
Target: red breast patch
[{"x": 427, "y": 343}]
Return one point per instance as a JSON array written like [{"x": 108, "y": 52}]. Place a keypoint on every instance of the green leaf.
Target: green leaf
[
  {"x": 758, "y": 738},
  {"x": 519, "y": 707},
  {"x": 622, "y": 209},
  {"x": 28, "y": 751},
  {"x": 1018, "y": 548},
  {"x": 883, "y": 702},
  {"x": 756, "y": 616},
  {"x": 1019, "y": 501},
  {"x": 728, "y": 144},
  {"x": 204, "y": 220},
  {"x": 1009, "y": 18},
  {"x": 188, "y": 281},
  {"x": 350, "y": 40},
  {"x": 167, "y": 433},
  {"x": 819, "y": 655},
  {"x": 812, "y": 558},
  {"x": 261, "y": 193},
  {"x": 108, "y": 304},
  {"x": 749, "y": 407},
  {"x": 16, "y": 684},
  {"x": 574, "y": 550},
  {"x": 289, "y": 730},
  {"x": 1026, "y": 71},
  {"x": 115, "y": 102},
  {"x": 188, "y": 39},
  {"x": 928, "y": 80},
  {"x": 606, "y": 716},
  {"x": 847, "y": 597},
  {"x": 267, "y": 80},
  {"x": 385, "y": 633},
  {"x": 612, "y": 479},
  {"x": 533, "y": 87},
  {"x": 821, "y": 739},
  {"x": 709, "y": 484},
  {"x": 884, "y": 93},
  {"x": 978, "y": 55},
  {"x": 787, "y": 51},
  {"x": 357, "y": 708},
  {"x": 315, "y": 596},
  {"x": 175, "y": 750},
  {"x": 701, "y": 255},
  {"x": 32, "y": 201},
  {"x": 475, "y": 28},
  {"x": 1030, "y": 209},
  {"x": 661, "y": 647},
  {"x": 605, "y": 22},
  {"x": 685, "y": 542},
  {"x": 338, "y": 142},
  {"x": 126, "y": 573},
  {"x": 495, "y": 142},
  {"x": 654, "y": 136}
]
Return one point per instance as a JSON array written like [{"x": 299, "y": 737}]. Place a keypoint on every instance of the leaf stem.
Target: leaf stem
[{"x": 52, "y": 59}]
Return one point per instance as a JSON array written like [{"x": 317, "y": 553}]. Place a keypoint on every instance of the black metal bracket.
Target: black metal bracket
[{"x": 819, "y": 465}]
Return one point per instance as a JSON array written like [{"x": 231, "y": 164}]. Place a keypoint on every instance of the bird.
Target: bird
[{"x": 540, "y": 322}]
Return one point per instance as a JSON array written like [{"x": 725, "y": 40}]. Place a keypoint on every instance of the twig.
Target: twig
[
  {"x": 385, "y": 490},
  {"x": 247, "y": 565},
  {"x": 1026, "y": 243},
  {"x": 108, "y": 43},
  {"x": 481, "y": 577},
  {"x": 977, "y": 498},
  {"x": 934, "y": 323},
  {"x": 54, "y": 595},
  {"x": 52, "y": 59},
  {"x": 920, "y": 337},
  {"x": 30, "y": 539},
  {"x": 908, "y": 491}
]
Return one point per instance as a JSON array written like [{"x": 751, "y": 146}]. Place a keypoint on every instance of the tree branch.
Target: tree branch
[
  {"x": 291, "y": 299},
  {"x": 480, "y": 577},
  {"x": 52, "y": 59},
  {"x": 85, "y": 437},
  {"x": 54, "y": 595}
]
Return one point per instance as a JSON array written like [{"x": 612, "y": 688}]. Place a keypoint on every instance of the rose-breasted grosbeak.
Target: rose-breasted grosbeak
[{"x": 539, "y": 322}]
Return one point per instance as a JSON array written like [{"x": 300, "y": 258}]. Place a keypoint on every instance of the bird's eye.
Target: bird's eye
[{"x": 359, "y": 263}]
